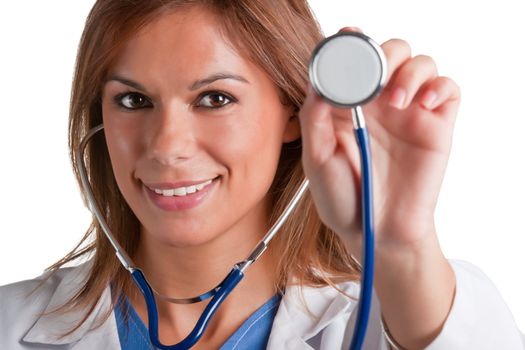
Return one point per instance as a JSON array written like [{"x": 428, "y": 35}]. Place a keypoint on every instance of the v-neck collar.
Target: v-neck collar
[
  {"x": 303, "y": 312},
  {"x": 135, "y": 323}
]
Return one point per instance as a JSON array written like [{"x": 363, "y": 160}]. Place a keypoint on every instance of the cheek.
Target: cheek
[
  {"x": 249, "y": 149},
  {"x": 122, "y": 140}
]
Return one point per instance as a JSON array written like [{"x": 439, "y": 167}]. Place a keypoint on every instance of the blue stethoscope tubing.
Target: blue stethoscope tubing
[
  {"x": 236, "y": 275},
  {"x": 226, "y": 287},
  {"x": 367, "y": 203},
  {"x": 220, "y": 292}
]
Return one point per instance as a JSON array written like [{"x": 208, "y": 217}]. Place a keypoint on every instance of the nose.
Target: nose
[{"x": 172, "y": 138}]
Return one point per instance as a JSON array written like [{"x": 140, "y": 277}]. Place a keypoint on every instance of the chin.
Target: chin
[{"x": 181, "y": 237}]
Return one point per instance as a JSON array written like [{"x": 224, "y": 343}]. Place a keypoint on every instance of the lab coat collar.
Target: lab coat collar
[
  {"x": 306, "y": 311},
  {"x": 303, "y": 313},
  {"x": 49, "y": 327}
]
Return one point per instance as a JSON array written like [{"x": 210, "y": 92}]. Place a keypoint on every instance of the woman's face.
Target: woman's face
[{"x": 194, "y": 131}]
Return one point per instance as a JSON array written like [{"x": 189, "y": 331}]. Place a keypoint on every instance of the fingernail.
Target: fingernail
[
  {"x": 350, "y": 29},
  {"x": 398, "y": 97},
  {"x": 429, "y": 98}
]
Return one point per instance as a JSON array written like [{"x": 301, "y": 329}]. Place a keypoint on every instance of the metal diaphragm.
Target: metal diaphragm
[{"x": 348, "y": 69}]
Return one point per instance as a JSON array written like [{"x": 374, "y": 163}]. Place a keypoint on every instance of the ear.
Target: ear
[{"x": 292, "y": 129}]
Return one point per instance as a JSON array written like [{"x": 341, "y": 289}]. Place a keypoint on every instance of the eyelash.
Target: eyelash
[{"x": 118, "y": 99}]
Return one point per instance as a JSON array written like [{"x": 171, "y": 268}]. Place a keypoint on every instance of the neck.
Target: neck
[{"x": 190, "y": 271}]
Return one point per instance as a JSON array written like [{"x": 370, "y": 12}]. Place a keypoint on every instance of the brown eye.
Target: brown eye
[
  {"x": 132, "y": 101},
  {"x": 215, "y": 100}
]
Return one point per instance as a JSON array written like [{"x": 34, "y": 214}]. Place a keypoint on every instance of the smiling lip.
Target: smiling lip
[
  {"x": 178, "y": 203},
  {"x": 170, "y": 185}
]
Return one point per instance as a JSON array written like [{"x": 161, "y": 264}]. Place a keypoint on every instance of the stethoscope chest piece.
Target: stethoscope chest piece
[{"x": 348, "y": 69}]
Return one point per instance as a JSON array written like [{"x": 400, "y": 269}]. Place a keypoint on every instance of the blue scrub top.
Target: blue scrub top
[{"x": 253, "y": 334}]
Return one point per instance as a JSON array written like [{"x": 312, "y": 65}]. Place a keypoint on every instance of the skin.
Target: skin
[
  {"x": 410, "y": 140},
  {"x": 175, "y": 138}
]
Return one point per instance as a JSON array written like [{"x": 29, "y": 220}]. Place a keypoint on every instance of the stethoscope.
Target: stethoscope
[{"x": 348, "y": 70}]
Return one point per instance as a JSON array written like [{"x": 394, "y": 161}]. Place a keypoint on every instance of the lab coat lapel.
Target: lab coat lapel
[
  {"x": 295, "y": 326},
  {"x": 49, "y": 327}
]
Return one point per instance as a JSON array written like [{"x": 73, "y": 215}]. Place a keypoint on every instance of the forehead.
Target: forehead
[{"x": 182, "y": 41}]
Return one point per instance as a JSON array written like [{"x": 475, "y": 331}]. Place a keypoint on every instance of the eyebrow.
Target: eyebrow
[
  {"x": 197, "y": 84},
  {"x": 215, "y": 77}
]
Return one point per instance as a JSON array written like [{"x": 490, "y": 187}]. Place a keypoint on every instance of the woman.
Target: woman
[{"x": 209, "y": 122}]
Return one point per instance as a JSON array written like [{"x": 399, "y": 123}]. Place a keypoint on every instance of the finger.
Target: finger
[
  {"x": 438, "y": 91},
  {"x": 411, "y": 76},
  {"x": 350, "y": 29},
  {"x": 317, "y": 131},
  {"x": 396, "y": 52},
  {"x": 448, "y": 100},
  {"x": 350, "y": 147}
]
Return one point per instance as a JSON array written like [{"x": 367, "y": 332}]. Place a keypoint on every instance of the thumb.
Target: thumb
[{"x": 317, "y": 129}]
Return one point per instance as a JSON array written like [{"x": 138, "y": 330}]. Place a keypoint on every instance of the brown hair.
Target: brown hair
[{"x": 278, "y": 36}]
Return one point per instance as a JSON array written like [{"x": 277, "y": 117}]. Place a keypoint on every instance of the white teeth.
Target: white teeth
[
  {"x": 181, "y": 191},
  {"x": 168, "y": 192}
]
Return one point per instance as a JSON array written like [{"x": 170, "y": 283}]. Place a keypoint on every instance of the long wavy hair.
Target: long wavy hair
[{"x": 278, "y": 36}]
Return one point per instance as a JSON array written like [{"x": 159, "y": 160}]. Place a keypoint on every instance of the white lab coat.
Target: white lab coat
[{"x": 479, "y": 318}]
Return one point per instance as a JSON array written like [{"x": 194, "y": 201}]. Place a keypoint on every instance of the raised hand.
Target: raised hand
[{"x": 410, "y": 126}]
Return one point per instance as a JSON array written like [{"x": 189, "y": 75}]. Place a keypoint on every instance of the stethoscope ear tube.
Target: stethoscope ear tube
[
  {"x": 121, "y": 254},
  {"x": 229, "y": 283},
  {"x": 237, "y": 273},
  {"x": 218, "y": 293}
]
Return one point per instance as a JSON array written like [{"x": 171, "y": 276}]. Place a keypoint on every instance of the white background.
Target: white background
[{"x": 479, "y": 44}]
